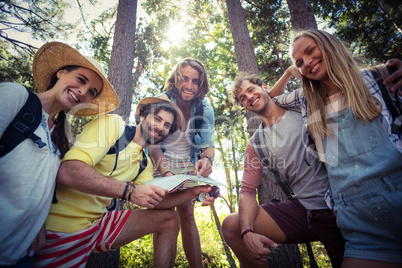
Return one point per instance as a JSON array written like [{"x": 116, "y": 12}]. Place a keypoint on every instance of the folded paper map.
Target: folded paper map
[{"x": 172, "y": 183}]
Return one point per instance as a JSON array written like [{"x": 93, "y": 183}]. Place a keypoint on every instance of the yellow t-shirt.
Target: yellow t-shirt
[{"x": 76, "y": 210}]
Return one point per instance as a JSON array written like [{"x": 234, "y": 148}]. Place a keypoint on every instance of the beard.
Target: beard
[
  {"x": 187, "y": 98},
  {"x": 148, "y": 137}
]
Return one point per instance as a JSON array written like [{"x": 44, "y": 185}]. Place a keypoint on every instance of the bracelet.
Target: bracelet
[
  {"x": 246, "y": 232},
  {"x": 211, "y": 160},
  {"x": 166, "y": 172},
  {"x": 128, "y": 196},
  {"x": 124, "y": 196}
]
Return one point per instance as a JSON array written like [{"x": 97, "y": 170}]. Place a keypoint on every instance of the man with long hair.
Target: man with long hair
[{"x": 190, "y": 150}]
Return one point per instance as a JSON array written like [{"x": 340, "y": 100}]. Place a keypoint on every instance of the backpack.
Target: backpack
[
  {"x": 121, "y": 143},
  {"x": 23, "y": 125},
  {"x": 264, "y": 154},
  {"x": 391, "y": 100}
]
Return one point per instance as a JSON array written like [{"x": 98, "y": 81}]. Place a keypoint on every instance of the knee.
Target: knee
[
  {"x": 171, "y": 220},
  {"x": 230, "y": 227},
  {"x": 186, "y": 214}
]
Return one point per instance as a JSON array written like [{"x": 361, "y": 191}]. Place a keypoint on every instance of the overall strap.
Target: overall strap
[
  {"x": 23, "y": 125},
  {"x": 265, "y": 156}
]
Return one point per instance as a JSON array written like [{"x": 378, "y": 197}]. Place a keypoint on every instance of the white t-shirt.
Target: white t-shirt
[
  {"x": 27, "y": 180},
  {"x": 178, "y": 144}
]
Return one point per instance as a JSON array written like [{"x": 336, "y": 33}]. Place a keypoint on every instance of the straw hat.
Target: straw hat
[
  {"x": 52, "y": 56},
  {"x": 163, "y": 100}
]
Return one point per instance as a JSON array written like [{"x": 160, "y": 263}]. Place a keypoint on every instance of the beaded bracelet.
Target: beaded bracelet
[{"x": 246, "y": 232}]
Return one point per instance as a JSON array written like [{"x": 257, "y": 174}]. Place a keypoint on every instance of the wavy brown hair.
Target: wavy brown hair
[
  {"x": 176, "y": 77},
  {"x": 344, "y": 73}
]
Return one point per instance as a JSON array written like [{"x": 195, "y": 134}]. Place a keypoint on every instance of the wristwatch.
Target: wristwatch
[{"x": 211, "y": 160}]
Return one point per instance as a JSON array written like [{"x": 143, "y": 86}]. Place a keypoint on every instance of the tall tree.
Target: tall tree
[
  {"x": 289, "y": 255},
  {"x": 301, "y": 15},
  {"x": 246, "y": 60},
  {"x": 122, "y": 58},
  {"x": 121, "y": 77}
]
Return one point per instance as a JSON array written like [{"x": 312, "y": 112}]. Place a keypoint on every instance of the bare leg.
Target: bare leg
[
  {"x": 353, "y": 263},
  {"x": 263, "y": 224},
  {"x": 189, "y": 234},
  {"x": 165, "y": 226}
]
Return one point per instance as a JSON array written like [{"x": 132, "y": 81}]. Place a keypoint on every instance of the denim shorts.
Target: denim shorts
[{"x": 370, "y": 218}]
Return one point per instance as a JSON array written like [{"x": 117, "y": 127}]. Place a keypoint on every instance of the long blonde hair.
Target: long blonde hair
[{"x": 344, "y": 73}]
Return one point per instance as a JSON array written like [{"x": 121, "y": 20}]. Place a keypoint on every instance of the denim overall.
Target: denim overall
[{"x": 365, "y": 173}]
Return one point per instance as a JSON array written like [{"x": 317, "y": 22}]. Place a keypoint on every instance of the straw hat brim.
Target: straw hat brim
[
  {"x": 162, "y": 99},
  {"x": 52, "y": 56}
]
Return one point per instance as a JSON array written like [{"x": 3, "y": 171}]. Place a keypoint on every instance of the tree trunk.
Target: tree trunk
[
  {"x": 120, "y": 76},
  {"x": 301, "y": 15},
  {"x": 288, "y": 255},
  {"x": 246, "y": 60},
  {"x": 122, "y": 57}
]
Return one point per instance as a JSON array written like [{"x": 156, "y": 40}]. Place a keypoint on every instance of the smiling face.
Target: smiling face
[
  {"x": 189, "y": 86},
  {"x": 77, "y": 86},
  {"x": 253, "y": 97},
  {"x": 308, "y": 58},
  {"x": 156, "y": 127}
]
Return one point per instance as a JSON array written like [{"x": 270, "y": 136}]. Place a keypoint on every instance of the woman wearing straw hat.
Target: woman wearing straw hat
[{"x": 67, "y": 82}]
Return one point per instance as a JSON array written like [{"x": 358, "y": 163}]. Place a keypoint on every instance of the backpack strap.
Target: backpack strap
[
  {"x": 121, "y": 143},
  {"x": 23, "y": 125},
  {"x": 266, "y": 157},
  {"x": 393, "y": 103}
]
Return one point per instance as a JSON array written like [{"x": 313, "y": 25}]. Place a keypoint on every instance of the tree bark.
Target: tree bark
[
  {"x": 246, "y": 60},
  {"x": 301, "y": 15},
  {"x": 120, "y": 76},
  {"x": 288, "y": 255},
  {"x": 122, "y": 57}
]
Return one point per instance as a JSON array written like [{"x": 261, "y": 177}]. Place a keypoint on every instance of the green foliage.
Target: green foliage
[
  {"x": 41, "y": 19},
  {"x": 15, "y": 68},
  {"x": 140, "y": 252},
  {"x": 371, "y": 29},
  {"x": 320, "y": 255}
]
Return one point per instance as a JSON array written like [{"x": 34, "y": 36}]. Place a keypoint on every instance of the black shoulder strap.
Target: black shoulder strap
[
  {"x": 392, "y": 103},
  {"x": 265, "y": 155},
  {"x": 23, "y": 125},
  {"x": 199, "y": 112},
  {"x": 121, "y": 143}
]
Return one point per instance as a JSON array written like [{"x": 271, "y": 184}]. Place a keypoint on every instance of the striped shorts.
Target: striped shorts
[
  {"x": 179, "y": 166},
  {"x": 73, "y": 249}
]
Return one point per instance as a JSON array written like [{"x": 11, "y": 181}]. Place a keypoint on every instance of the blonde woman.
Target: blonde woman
[{"x": 345, "y": 113}]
